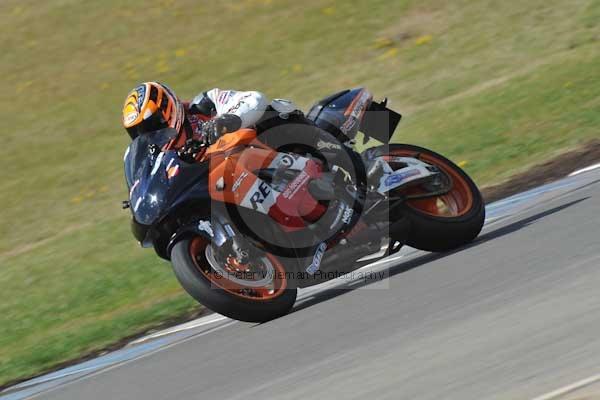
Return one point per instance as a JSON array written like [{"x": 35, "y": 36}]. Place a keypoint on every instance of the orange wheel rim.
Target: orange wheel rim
[
  {"x": 457, "y": 202},
  {"x": 231, "y": 278}
]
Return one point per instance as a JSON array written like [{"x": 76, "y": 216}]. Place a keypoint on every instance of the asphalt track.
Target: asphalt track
[{"x": 515, "y": 315}]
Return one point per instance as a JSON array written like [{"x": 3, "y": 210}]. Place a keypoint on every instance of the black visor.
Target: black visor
[{"x": 154, "y": 123}]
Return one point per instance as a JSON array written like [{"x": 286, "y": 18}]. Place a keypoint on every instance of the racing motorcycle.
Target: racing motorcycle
[{"x": 292, "y": 204}]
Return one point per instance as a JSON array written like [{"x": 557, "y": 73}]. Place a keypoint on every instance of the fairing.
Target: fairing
[
  {"x": 345, "y": 113},
  {"x": 159, "y": 181}
]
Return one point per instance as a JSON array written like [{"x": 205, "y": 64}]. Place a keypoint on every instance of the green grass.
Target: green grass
[{"x": 498, "y": 85}]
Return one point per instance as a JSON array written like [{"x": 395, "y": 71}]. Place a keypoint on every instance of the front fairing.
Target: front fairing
[{"x": 158, "y": 180}]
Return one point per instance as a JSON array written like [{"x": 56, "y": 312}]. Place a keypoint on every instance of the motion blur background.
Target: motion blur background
[{"x": 496, "y": 85}]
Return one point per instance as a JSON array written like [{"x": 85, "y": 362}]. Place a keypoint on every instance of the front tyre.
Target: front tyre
[
  {"x": 256, "y": 292},
  {"x": 447, "y": 221}
]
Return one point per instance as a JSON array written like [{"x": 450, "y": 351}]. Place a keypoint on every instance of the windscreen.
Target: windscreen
[
  {"x": 138, "y": 152},
  {"x": 145, "y": 172}
]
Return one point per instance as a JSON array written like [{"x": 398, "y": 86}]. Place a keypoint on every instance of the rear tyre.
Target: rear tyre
[
  {"x": 445, "y": 222},
  {"x": 231, "y": 290}
]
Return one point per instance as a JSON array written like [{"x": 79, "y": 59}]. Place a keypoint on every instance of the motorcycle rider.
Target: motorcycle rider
[{"x": 151, "y": 106}]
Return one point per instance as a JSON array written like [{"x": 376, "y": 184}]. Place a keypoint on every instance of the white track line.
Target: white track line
[
  {"x": 569, "y": 388},
  {"x": 586, "y": 169},
  {"x": 209, "y": 319}
]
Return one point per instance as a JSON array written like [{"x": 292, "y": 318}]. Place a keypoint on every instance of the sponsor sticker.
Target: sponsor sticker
[
  {"x": 286, "y": 161},
  {"x": 347, "y": 215},
  {"x": 360, "y": 105},
  {"x": 344, "y": 214},
  {"x": 295, "y": 185},
  {"x": 239, "y": 104},
  {"x": 233, "y": 109},
  {"x": 129, "y": 118},
  {"x": 321, "y": 144},
  {"x": 239, "y": 181},
  {"x": 224, "y": 96},
  {"x": 348, "y": 125},
  {"x": 400, "y": 176},
  {"x": 229, "y": 230},
  {"x": 316, "y": 261},
  {"x": 141, "y": 91},
  {"x": 260, "y": 195},
  {"x": 338, "y": 216}
]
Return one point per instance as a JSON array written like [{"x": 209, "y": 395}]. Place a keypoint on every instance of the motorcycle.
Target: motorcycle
[{"x": 291, "y": 204}]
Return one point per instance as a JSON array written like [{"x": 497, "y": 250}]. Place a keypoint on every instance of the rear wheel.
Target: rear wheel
[
  {"x": 445, "y": 221},
  {"x": 254, "y": 292}
]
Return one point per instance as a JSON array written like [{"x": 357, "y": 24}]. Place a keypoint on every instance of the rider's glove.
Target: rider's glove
[
  {"x": 191, "y": 150},
  {"x": 213, "y": 129}
]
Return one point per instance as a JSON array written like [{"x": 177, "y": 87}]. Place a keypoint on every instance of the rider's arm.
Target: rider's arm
[{"x": 249, "y": 106}]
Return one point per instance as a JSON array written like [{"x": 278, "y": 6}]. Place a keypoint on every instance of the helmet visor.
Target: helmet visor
[{"x": 151, "y": 124}]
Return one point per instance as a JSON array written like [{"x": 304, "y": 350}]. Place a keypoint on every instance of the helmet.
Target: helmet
[{"x": 152, "y": 106}]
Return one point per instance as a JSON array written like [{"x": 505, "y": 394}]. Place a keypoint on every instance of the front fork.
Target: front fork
[{"x": 219, "y": 232}]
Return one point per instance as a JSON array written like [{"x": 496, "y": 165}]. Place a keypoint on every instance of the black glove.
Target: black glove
[
  {"x": 191, "y": 150},
  {"x": 213, "y": 129}
]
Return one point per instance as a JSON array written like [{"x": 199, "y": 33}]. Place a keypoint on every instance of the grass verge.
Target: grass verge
[{"x": 497, "y": 86}]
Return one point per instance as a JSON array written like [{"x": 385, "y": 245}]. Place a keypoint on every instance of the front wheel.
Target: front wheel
[
  {"x": 254, "y": 292},
  {"x": 446, "y": 221}
]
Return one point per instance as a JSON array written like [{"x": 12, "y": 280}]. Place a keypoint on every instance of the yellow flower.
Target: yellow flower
[
  {"x": 297, "y": 68},
  {"x": 421, "y": 40},
  {"x": 235, "y": 7},
  {"x": 463, "y": 163},
  {"x": 162, "y": 67},
  {"x": 383, "y": 42},
  {"x": 131, "y": 74},
  {"x": 21, "y": 87},
  {"x": 393, "y": 52},
  {"x": 328, "y": 10},
  {"x": 180, "y": 53}
]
